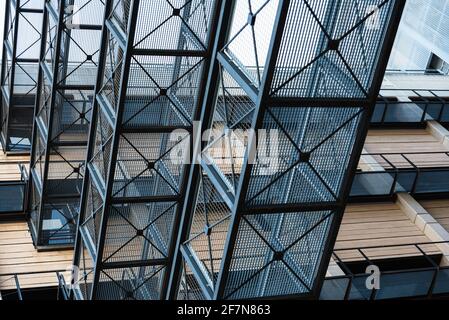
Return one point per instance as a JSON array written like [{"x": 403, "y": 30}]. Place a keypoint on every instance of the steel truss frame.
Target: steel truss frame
[
  {"x": 19, "y": 72},
  {"x": 152, "y": 76},
  {"x": 251, "y": 233},
  {"x": 67, "y": 73}
]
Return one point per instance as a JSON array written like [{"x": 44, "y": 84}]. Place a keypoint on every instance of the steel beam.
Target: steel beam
[
  {"x": 19, "y": 73},
  {"x": 155, "y": 63},
  {"x": 67, "y": 74},
  {"x": 274, "y": 234}
]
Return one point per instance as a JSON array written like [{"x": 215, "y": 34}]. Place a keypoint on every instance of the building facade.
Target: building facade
[
  {"x": 203, "y": 150},
  {"x": 21, "y": 43},
  {"x": 422, "y": 44}
]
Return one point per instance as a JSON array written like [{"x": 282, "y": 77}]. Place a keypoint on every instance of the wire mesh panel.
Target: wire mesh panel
[
  {"x": 344, "y": 47},
  {"x": 207, "y": 236},
  {"x": 22, "y": 40},
  {"x": 189, "y": 287},
  {"x": 155, "y": 57},
  {"x": 267, "y": 202},
  {"x": 69, "y": 60}
]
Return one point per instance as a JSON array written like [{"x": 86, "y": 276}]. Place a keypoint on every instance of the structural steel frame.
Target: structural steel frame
[
  {"x": 149, "y": 84},
  {"x": 147, "y": 227},
  {"x": 251, "y": 262},
  {"x": 66, "y": 80},
  {"x": 227, "y": 228},
  {"x": 19, "y": 15}
]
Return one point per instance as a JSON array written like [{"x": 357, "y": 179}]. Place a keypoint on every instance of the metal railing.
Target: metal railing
[
  {"x": 415, "y": 71},
  {"x": 12, "y": 288},
  {"x": 420, "y": 173},
  {"x": 13, "y": 192},
  {"x": 63, "y": 292},
  {"x": 414, "y": 281},
  {"x": 425, "y": 105}
]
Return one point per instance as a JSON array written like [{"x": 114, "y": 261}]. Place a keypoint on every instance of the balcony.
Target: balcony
[
  {"x": 13, "y": 179},
  {"x": 417, "y": 276},
  {"x": 421, "y": 174},
  {"x": 23, "y": 270},
  {"x": 414, "y": 109}
]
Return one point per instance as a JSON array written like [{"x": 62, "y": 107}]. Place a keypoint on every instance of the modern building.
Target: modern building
[
  {"x": 203, "y": 150},
  {"x": 21, "y": 45},
  {"x": 69, "y": 59},
  {"x": 422, "y": 43}
]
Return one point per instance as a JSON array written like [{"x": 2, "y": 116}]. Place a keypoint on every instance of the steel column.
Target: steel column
[
  {"x": 151, "y": 84},
  {"x": 19, "y": 73},
  {"x": 67, "y": 76},
  {"x": 315, "y": 87}
]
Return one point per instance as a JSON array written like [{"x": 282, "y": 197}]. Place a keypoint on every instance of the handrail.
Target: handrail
[
  {"x": 362, "y": 251},
  {"x": 431, "y": 104},
  {"x": 23, "y": 172},
  {"x": 415, "y": 71},
  {"x": 405, "y": 153},
  {"x": 418, "y": 92},
  {"x": 12, "y": 274},
  {"x": 15, "y": 278},
  {"x": 62, "y": 286},
  {"x": 406, "y": 156},
  {"x": 401, "y": 172},
  {"x": 345, "y": 289},
  {"x": 19, "y": 291},
  {"x": 432, "y": 107},
  {"x": 393, "y": 245}
]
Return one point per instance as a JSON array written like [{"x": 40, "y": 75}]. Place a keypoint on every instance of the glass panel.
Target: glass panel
[
  {"x": 403, "y": 285},
  {"x": 403, "y": 112},
  {"x": 11, "y": 197},
  {"x": 442, "y": 282},
  {"x": 378, "y": 113},
  {"x": 405, "y": 181},
  {"x": 433, "y": 182},
  {"x": 372, "y": 184},
  {"x": 359, "y": 290},
  {"x": 334, "y": 289}
]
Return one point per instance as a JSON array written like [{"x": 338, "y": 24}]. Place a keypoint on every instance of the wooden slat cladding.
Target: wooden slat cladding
[
  {"x": 379, "y": 224},
  {"x": 18, "y": 255},
  {"x": 419, "y": 146},
  {"x": 402, "y": 140},
  {"x": 9, "y": 169}
]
